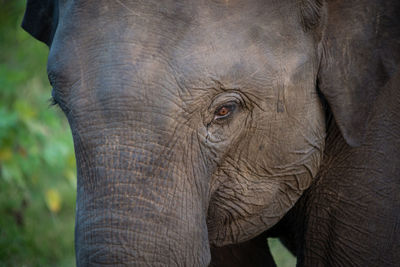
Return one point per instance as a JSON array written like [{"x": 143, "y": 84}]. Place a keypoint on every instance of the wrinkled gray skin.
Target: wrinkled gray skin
[{"x": 196, "y": 124}]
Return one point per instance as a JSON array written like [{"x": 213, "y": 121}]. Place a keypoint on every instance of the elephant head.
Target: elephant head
[{"x": 194, "y": 122}]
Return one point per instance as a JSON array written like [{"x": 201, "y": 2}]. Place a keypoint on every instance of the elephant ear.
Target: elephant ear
[
  {"x": 360, "y": 51},
  {"x": 41, "y": 19}
]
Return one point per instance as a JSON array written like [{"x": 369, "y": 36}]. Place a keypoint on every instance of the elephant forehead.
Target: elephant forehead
[
  {"x": 238, "y": 63},
  {"x": 240, "y": 49},
  {"x": 154, "y": 44}
]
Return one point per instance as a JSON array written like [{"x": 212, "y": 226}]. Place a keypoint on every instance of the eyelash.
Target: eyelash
[{"x": 53, "y": 102}]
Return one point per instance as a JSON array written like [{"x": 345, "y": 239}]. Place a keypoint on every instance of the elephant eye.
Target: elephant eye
[{"x": 225, "y": 111}]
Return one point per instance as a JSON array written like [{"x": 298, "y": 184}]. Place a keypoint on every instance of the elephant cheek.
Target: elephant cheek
[{"x": 249, "y": 200}]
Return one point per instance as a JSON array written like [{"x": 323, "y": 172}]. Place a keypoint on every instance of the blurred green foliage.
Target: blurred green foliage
[{"x": 37, "y": 164}]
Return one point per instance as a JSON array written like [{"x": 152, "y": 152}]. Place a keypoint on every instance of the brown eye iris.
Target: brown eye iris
[{"x": 224, "y": 111}]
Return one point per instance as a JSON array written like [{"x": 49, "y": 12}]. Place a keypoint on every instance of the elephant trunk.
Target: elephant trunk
[
  {"x": 136, "y": 208},
  {"x": 139, "y": 200}
]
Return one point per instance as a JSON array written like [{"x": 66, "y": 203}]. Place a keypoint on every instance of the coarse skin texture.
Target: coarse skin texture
[
  {"x": 350, "y": 216},
  {"x": 198, "y": 125}
]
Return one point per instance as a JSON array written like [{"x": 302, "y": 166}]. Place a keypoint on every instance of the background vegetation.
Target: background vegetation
[{"x": 37, "y": 164}]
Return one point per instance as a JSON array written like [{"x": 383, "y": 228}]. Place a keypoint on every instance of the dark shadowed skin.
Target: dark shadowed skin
[
  {"x": 198, "y": 124},
  {"x": 350, "y": 216}
]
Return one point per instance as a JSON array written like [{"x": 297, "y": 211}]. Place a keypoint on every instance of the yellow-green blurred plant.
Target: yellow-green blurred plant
[{"x": 37, "y": 164}]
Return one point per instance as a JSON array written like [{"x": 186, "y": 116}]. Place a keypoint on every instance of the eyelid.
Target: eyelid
[
  {"x": 225, "y": 99},
  {"x": 233, "y": 105},
  {"x": 227, "y": 104},
  {"x": 231, "y": 97}
]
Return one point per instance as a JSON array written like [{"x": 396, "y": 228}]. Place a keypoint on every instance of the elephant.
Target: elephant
[{"x": 201, "y": 128}]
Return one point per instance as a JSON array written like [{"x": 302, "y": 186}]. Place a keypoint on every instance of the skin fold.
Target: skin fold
[{"x": 203, "y": 127}]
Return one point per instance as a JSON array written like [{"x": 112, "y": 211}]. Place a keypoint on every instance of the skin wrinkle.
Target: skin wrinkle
[
  {"x": 252, "y": 173},
  {"x": 141, "y": 111}
]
